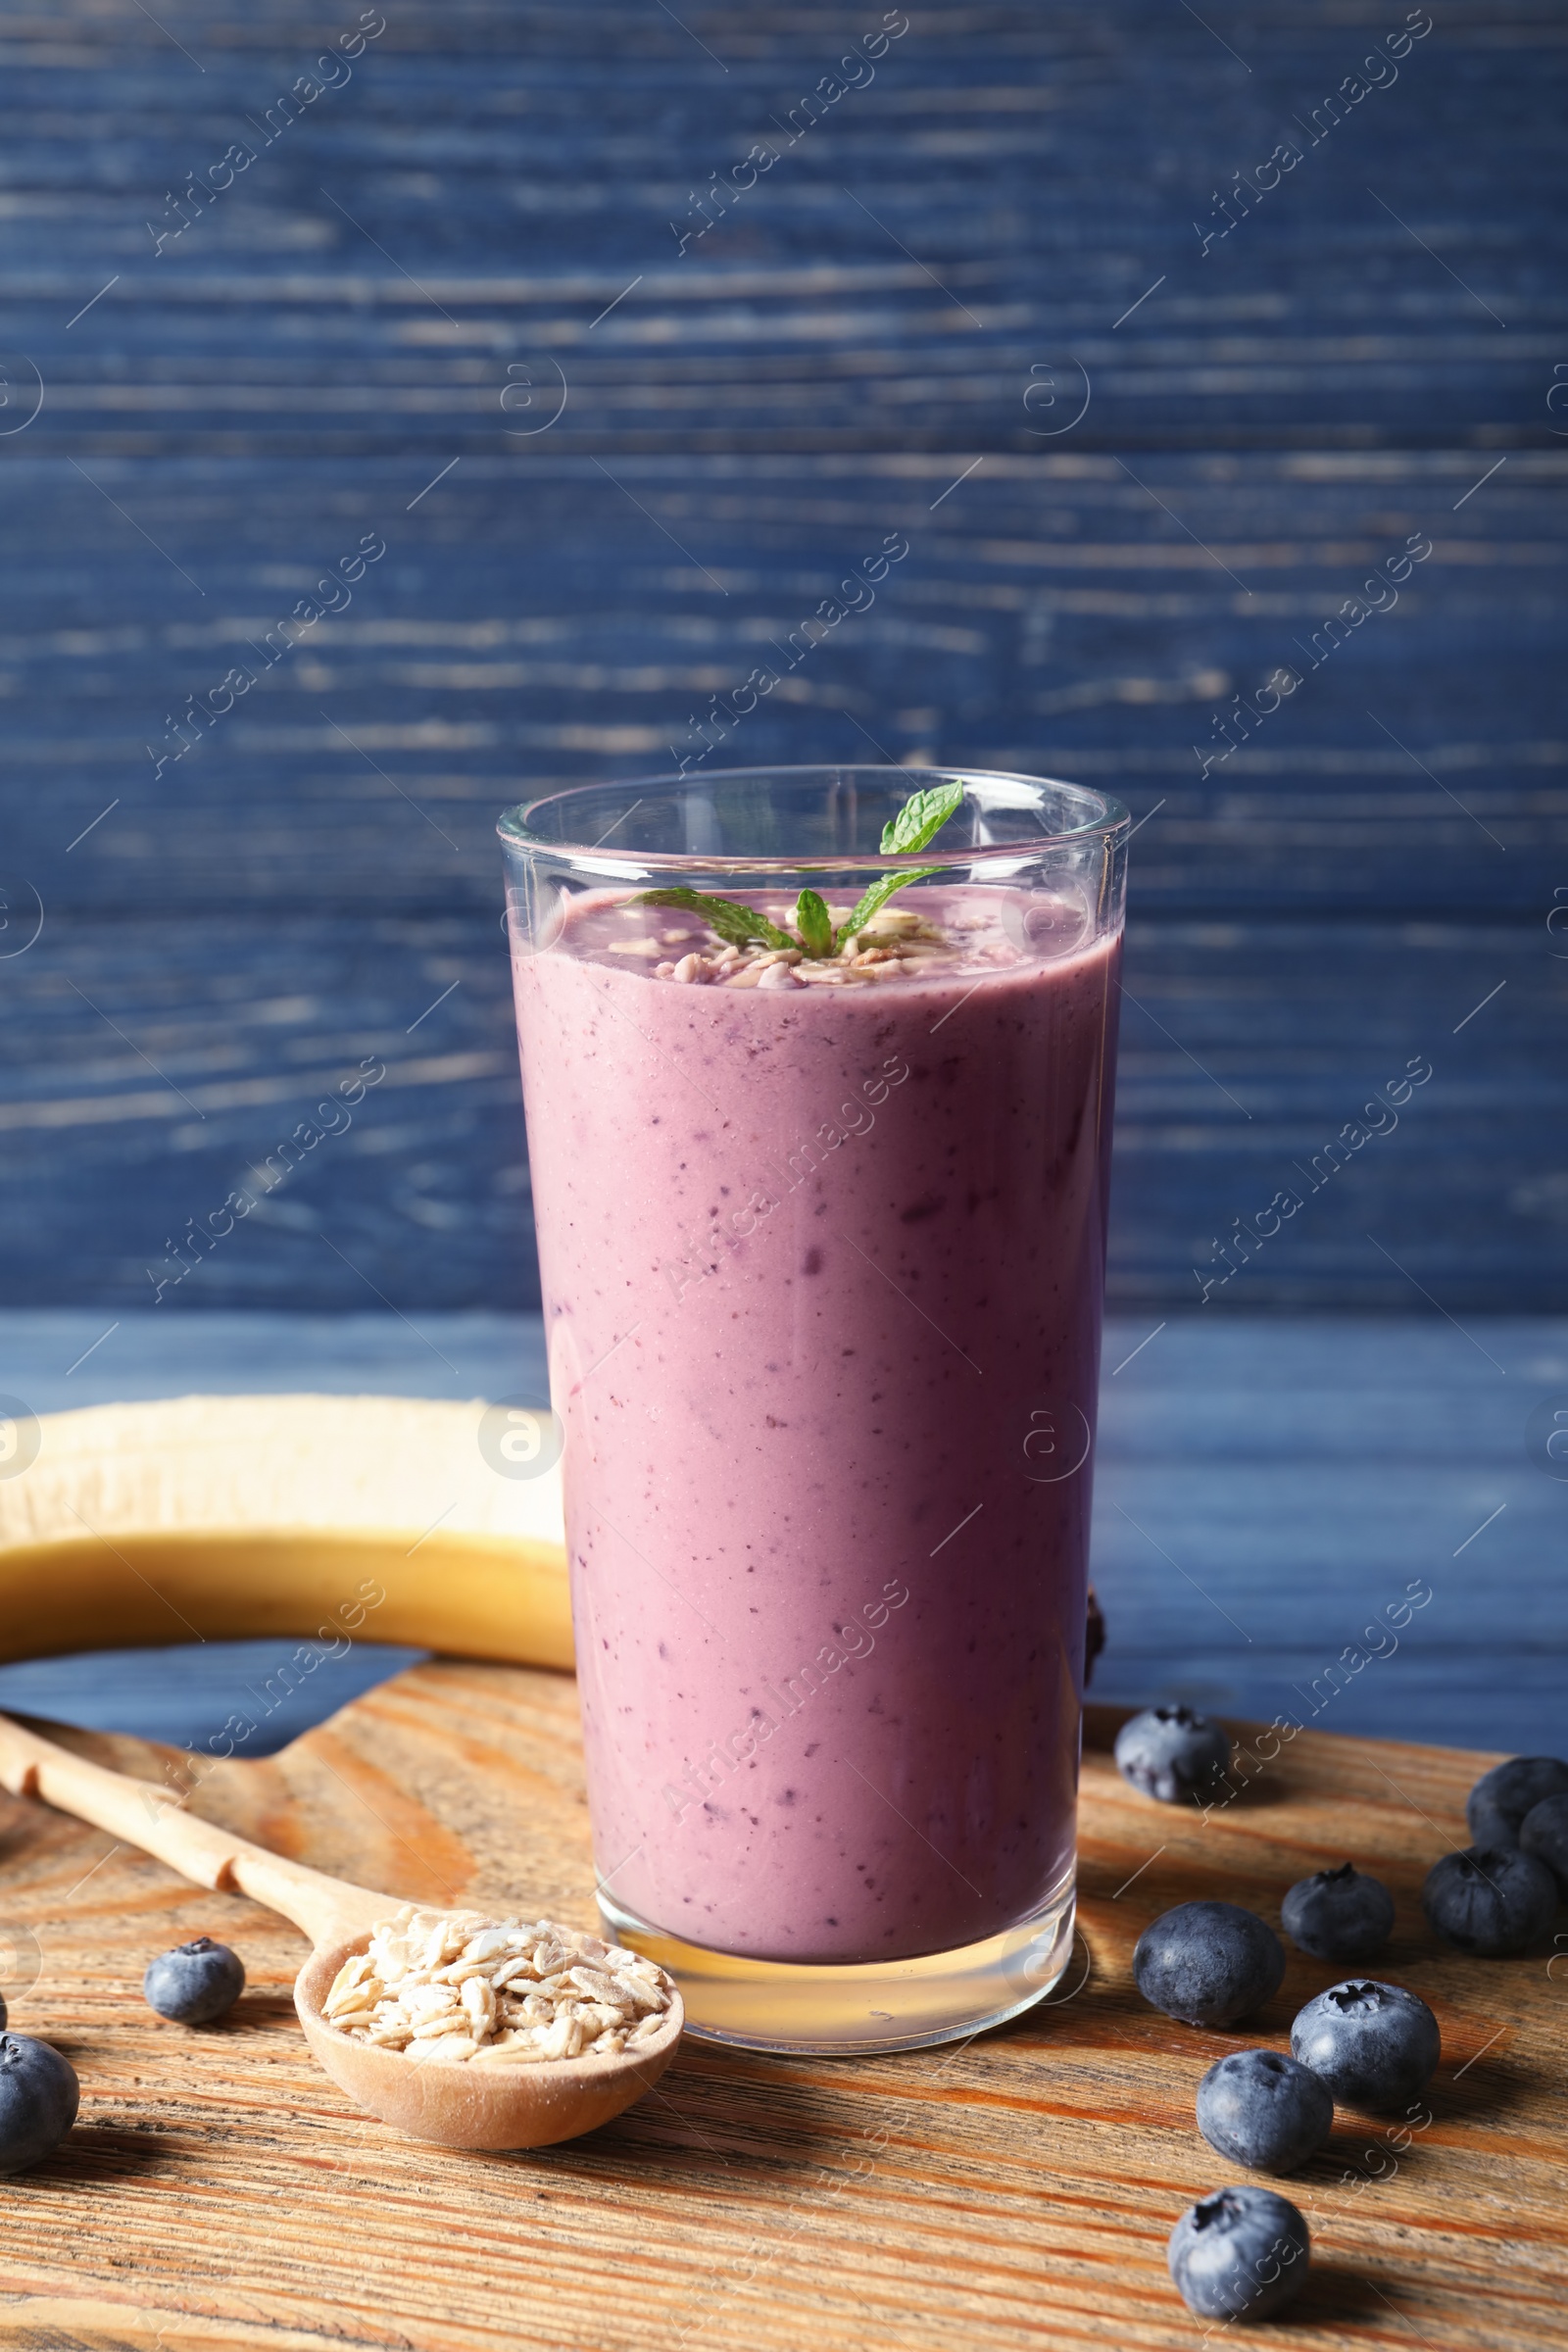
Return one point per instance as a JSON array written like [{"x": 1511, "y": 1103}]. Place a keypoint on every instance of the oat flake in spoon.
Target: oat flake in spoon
[
  {"x": 489, "y": 2099},
  {"x": 455, "y": 1987}
]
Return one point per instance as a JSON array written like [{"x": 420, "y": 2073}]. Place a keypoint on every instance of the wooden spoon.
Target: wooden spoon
[{"x": 462, "y": 2106}]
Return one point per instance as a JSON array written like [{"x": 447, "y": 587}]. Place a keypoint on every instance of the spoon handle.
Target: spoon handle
[{"x": 140, "y": 1814}]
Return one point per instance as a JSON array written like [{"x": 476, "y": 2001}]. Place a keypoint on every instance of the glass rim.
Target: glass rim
[{"x": 1110, "y": 822}]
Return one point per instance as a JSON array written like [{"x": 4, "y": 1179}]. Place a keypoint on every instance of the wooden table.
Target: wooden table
[{"x": 1016, "y": 2189}]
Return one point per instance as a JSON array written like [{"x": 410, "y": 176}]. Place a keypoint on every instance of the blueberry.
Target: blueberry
[
  {"x": 1239, "y": 2254},
  {"x": 1544, "y": 1833},
  {"x": 1260, "y": 2109},
  {"x": 1170, "y": 1753},
  {"x": 1338, "y": 1914},
  {"x": 38, "y": 2100},
  {"x": 195, "y": 1982},
  {"x": 1375, "y": 2045},
  {"x": 1491, "y": 1900},
  {"x": 1207, "y": 1963},
  {"x": 1500, "y": 1800}
]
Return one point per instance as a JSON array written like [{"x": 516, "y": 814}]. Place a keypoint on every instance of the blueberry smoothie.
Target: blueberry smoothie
[{"x": 822, "y": 1245}]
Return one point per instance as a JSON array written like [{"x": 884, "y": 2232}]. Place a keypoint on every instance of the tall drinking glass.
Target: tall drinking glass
[{"x": 821, "y": 1231}]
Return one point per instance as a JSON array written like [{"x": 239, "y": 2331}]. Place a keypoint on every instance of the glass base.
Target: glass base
[{"x": 855, "y": 2010}]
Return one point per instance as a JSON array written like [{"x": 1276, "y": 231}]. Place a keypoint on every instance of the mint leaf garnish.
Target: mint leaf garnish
[
  {"x": 920, "y": 820},
  {"x": 727, "y": 917},
  {"x": 814, "y": 924},
  {"x": 876, "y": 897},
  {"x": 917, "y": 823}
]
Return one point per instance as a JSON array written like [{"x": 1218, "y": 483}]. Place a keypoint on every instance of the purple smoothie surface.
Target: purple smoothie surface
[{"x": 822, "y": 1266}]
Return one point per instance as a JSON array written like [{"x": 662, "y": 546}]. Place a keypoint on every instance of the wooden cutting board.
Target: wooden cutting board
[{"x": 1017, "y": 2190}]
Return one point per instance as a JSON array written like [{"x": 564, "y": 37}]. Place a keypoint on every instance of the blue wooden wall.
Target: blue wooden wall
[{"x": 997, "y": 290}]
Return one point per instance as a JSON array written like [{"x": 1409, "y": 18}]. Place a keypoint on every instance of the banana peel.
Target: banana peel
[{"x": 223, "y": 1518}]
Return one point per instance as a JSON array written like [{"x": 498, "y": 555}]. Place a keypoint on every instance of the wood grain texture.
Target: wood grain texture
[
  {"x": 536, "y": 622},
  {"x": 223, "y": 414},
  {"x": 997, "y": 194},
  {"x": 1246, "y": 1046},
  {"x": 1016, "y": 2189}
]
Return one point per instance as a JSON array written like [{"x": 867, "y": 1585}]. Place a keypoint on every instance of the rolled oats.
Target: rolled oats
[
  {"x": 897, "y": 943},
  {"x": 459, "y": 1988}
]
